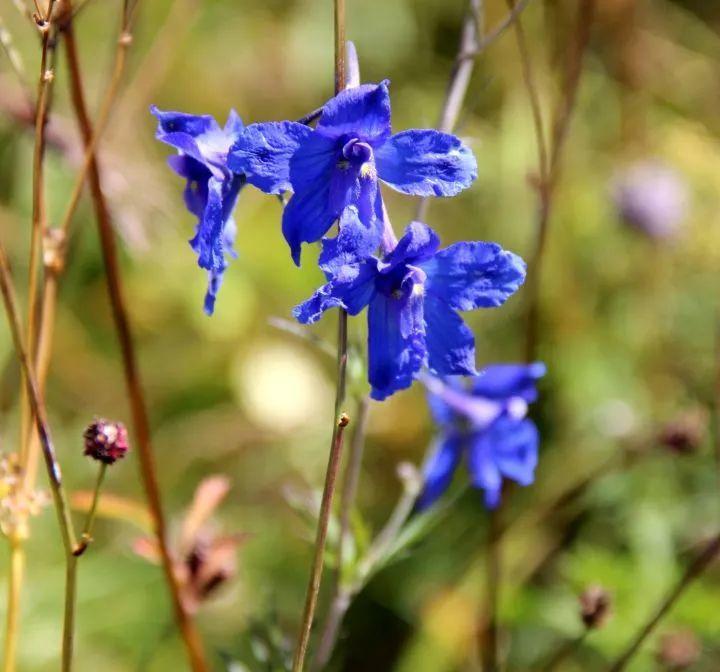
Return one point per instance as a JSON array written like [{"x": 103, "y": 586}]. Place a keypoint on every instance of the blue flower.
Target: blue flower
[
  {"x": 338, "y": 163},
  {"x": 487, "y": 423},
  {"x": 413, "y": 296},
  {"x": 212, "y": 189}
]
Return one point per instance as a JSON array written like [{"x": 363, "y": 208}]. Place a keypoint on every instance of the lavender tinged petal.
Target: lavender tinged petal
[
  {"x": 426, "y": 163},
  {"x": 515, "y": 446},
  {"x": 179, "y": 122},
  {"x": 484, "y": 473},
  {"x": 501, "y": 381}
]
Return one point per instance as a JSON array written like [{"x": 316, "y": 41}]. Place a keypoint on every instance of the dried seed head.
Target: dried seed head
[
  {"x": 679, "y": 650},
  {"x": 106, "y": 441},
  {"x": 595, "y": 606},
  {"x": 17, "y": 503},
  {"x": 685, "y": 433}
]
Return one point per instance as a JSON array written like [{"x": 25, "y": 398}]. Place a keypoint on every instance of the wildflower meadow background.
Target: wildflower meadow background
[{"x": 563, "y": 565}]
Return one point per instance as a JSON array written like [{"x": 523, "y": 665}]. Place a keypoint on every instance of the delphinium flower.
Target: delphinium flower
[
  {"x": 413, "y": 295},
  {"x": 651, "y": 197},
  {"x": 486, "y": 422},
  {"x": 212, "y": 189},
  {"x": 339, "y": 162}
]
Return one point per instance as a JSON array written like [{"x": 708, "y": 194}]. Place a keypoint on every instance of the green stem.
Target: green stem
[{"x": 86, "y": 536}]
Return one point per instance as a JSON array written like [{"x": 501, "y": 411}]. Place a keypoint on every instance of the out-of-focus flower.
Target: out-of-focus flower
[
  {"x": 679, "y": 650},
  {"x": 106, "y": 441},
  {"x": 413, "y": 295},
  {"x": 203, "y": 559},
  {"x": 651, "y": 197},
  {"x": 486, "y": 422},
  {"x": 212, "y": 189},
  {"x": 338, "y": 163},
  {"x": 17, "y": 504},
  {"x": 595, "y": 607},
  {"x": 686, "y": 433}
]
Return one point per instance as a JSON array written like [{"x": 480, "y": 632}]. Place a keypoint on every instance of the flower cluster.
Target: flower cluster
[
  {"x": 332, "y": 173},
  {"x": 486, "y": 422}
]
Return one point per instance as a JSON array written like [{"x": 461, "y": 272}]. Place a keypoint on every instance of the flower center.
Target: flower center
[{"x": 356, "y": 153}]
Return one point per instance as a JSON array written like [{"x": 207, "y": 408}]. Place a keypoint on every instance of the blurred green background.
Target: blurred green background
[{"x": 627, "y": 331}]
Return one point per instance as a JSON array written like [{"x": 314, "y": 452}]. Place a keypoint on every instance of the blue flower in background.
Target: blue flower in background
[
  {"x": 413, "y": 296},
  {"x": 212, "y": 189},
  {"x": 486, "y": 422},
  {"x": 338, "y": 164}
]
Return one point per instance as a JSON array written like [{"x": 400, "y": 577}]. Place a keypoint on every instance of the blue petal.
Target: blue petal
[
  {"x": 418, "y": 243},
  {"x": 197, "y": 175},
  {"x": 361, "y": 112},
  {"x": 396, "y": 340},
  {"x": 439, "y": 469},
  {"x": 515, "y": 445},
  {"x": 352, "y": 289},
  {"x": 474, "y": 275},
  {"x": 501, "y": 381},
  {"x": 313, "y": 162},
  {"x": 353, "y": 244},
  {"x": 426, "y": 163},
  {"x": 170, "y": 123},
  {"x": 355, "y": 185},
  {"x": 263, "y": 153},
  {"x": 306, "y": 219},
  {"x": 484, "y": 473},
  {"x": 210, "y": 241},
  {"x": 450, "y": 342},
  {"x": 308, "y": 215}
]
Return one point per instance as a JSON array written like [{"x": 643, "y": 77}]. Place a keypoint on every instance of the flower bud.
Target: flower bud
[
  {"x": 652, "y": 198},
  {"x": 106, "y": 441},
  {"x": 685, "y": 433},
  {"x": 595, "y": 606},
  {"x": 679, "y": 650}
]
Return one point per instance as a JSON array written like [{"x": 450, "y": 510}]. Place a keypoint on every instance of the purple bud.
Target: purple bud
[
  {"x": 106, "y": 441},
  {"x": 594, "y": 607},
  {"x": 652, "y": 198}
]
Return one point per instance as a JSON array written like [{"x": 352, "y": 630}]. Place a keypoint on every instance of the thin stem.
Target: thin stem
[
  {"x": 86, "y": 536},
  {"x": 459, "y": 79},
  {"x": 489, "y": 633},
  {"x": 549, "y": 162},
  {"x": 693, "y": 571},
  {"x": 37, "y": 405},
  {"x": 55, "y": 475},
  {"x": 148, "y": 470},
  {"x": 341, "y": 419},
  {"x": 45, "y": 79},
  {"x": 16, "y": 573},
  {"x": 340, "y": 600},
  {"x": 69, "y": 614},
  {"x": 313, "y": 589},
  {"x": 497, "y": 31},
  {"x": 564, "y": 651}
]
